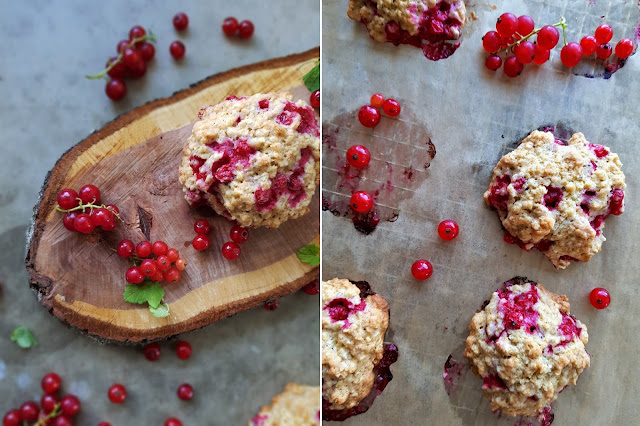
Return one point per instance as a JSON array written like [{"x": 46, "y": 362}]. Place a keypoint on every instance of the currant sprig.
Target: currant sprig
[
  {"x": 562, "y": 23},
  {"x": 119, "y": 59},
  {"x": 43, "y": 421},
  {"x": 91, "y": 206}
]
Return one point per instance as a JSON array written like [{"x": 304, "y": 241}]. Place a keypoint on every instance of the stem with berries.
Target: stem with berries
[{"x": 147, "y": 37}]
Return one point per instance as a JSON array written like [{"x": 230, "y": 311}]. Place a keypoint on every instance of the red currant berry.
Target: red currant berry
[
  {"x": 115, "y": 89},
  {"x": 172, "y": 275},
  {"x": 122, "y": 45},
  {"x": 183, "y": 350},
  {"x": 173, "y": 255},
  {"x": 68, "y": 221},
  {"x": 312, "y": 288},
  {"x": 493, "y": 62},
  {"x": 50, "y": 383},
  {"x": 62, "y": 420},
  {"x": 136, "y": 32},
  {"x": 589, "y": 45},
  {"x": 421, "y": 269},
  {"x": 448, "y": 230},
  {"x": 102, "y": 217},
  {"x": 599, "y": 298},
  {"x": 125, "y": 248},
  {"x": 29, "y": 411},
  {"x": 68, "y": 199},
  {"x": 152, "y": 351},
  {"x": 172, "y": 421},
  {"x": 143, "y": 249},
  {"x": 358, "y": 156},
  {"x": 604, "y": 34},
  {"x": 12, "y": 418},
  {"x": 492, "y": 41},
  {"x": 507, "y": 24},
  {"x": 230, "y": 26},
  {"x": 163, "y": 263},
  {"x": 83, "y": 223},
  {"x": 604, "y": 51},
  {"x": 138, "y": 70},
  {"x": 624, "y": 48},
  {"x": 231, "y": 250},
  {"x": 524, "y": 52},
  {"x": 201, "y": 242},
  {"x": 158, "y": 277},
  {"x": 201, "y": 227},
  {"x": 70, "y": 405},
  {"x": 147, "y": 51},
  {"x": 239, "y": 234},
  {"x": 119, "y": 70},
  {"x": 177, "y": 49},
  {"x": 512, "y": 68},
  {"x": 48, "y": 402},
  {"x": 391, "y": 107},
  {"x": 159, "y": 248},
  {"x": 180, "y": 21},
  {"x": 112, "y": 208},
  {"x": 117, "y": 393},
  {"x": 181, "y": 264},
  {"x": 271, "y": 305},
  {"x": 541, "y": 55},
  {"x": 245, "y": 29},
  {"x": 571, "y": 54},
  {"x": 131, "y": 57},
  {"x": 134, "y": 275},
  {"x": 185, "y": 392},
  {"x": 104, "y": 424},
  {"x": 525, "y": 25},
  {"x": 506, "y": 41},
  {"x": 377, "y": 100},
  {"x": 89, "y": 194},
  {"x": 149, "y": 267},
  {"x": 314, "y": 99},
  {"x": 548, "y": 37},
  {"x": 361, "y": 201},
  {"x": 369, "y": 116}
]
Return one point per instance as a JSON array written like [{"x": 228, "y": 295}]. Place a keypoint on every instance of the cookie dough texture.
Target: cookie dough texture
[
  {"x": 254, "y": 160},
  {"x": 555, "y": 197},
  {"x": 353, "y": 346},
  {"x": 523, "y": 371},
  {"x": 297, "y": 405},
  {"x": 378, "y": 14}
]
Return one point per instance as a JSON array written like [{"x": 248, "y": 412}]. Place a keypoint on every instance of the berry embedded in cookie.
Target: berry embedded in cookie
[
  {"x": 426, "y": 24},
  {"x": 254, "y": 160},
  {"x": 526, "y": 347},
  {"x": 555, "y": 196},
  {"x": 355, "y": 359},
  {"x": 296, "y": 405}
]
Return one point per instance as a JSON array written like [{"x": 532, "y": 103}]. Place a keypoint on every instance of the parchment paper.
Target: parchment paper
[{"x": 473, "y": 117}]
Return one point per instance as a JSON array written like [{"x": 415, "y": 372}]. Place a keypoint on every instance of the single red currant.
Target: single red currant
[
  {"x": 271, "y": 305},
  {"x": 185, "y": 392},
  {"x": 181, "y": 264},
  {"x": 149, "y": 267},
  {"x": 524, "y": 52},
  {"x": 361, "y": 201},
  {"x": 493, "y": 62},
  {"x": 147, "y": 51},
  {"x": 245, "y": 29},
  {"x": 50, "y": 383},
  {"x": 122, "y": 45},
  {"x": 421, "y": 269},
  {"x": 159, "y": 248},
  {"x": 62, "y": 420},
  {"x": 512, "y": 67},
  {"x": 180, "y": 21},
  {"x": 89, "y": 194},
  {"x": 102, "y": 217},
  {"x": 143, "y": 249},
  {"x": 548, "y": 37},
  {"x": 163, "y": 263},
  {"x": 172, "y": 421},
  {"x": 448, "y": 230},
  {"x": 369, "y": 116},
  {"x": 507, "y": 24},
  {"x": 312, "y": 288},
  {"x": 314, "y": 99},
  {"x": 183, "y": 350},
  {"x": 117, "y": 393},
  {"x": 599, "y": 298},
  {"x": 604, "y": 51},
  {"x": 230, "y": 26},
  {"x": 104, "y": 424},
  {"x": 377, "y": 100},
  {"x": 589, "y": 45},
  {"x": 83, "y": 223},
  {"x": 12, "y": 418},
  {"x": 119, "y": 70},
  {"x": 134, "y": 275},
  {"x": 231, "y": 250},
  {"x": 358, "y": 156},
  {"x": 177, "y": 49},
  {"x": 604, "y": 34},
  {"x": 138, "y": 70},
  {"x": 151, "y": 351},
  {"x": 239, "y": 234},
  {"x": 492, "y": 42},
  {"x": 29, "y": 411},
  {"x": 125, "y": 248},
  {"x": 158, "y": 277},
  {"x": 571, "y": 54},
  {"x": 526, "y": 25},
  {"x": 136, "y": 32},
  {"x": 624, "y": 48},
  {"x": 541, "y": 55},
  {"x": 68, "y": 221},
  {"x": 172, "y": 275},
  {"x": 131, "y": 58},
  {"x": 201, "y": 227},
  {"x": 115, "y": 89},
  {"x": 68, "y": 199},
  {"x": 48, "y": 402},
  {"x": 391, "y": 107},
  {"x": 173, "y": 255},
  {"x": 70, "y": 405},
  {"x": 201, "y": 242}
]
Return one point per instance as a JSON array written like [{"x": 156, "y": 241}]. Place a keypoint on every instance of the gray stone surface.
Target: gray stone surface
[{"x": 46, "y": 106}]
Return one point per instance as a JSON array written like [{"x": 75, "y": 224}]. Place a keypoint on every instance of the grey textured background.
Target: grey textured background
[
  {"x": 474, "y": 116},
  {"x": 46, "y": 106}
]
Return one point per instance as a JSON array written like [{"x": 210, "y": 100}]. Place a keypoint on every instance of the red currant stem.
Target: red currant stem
[
  {"x": 562, "y": 23},
  {"x": 54, "y": 413},
  {"x": 91, "y": 206},
  {"x": 147, "y": 37}
]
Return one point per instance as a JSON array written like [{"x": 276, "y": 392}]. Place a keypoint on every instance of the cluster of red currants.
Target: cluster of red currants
[
  {"x": 369, "y": 115},
  {"x": 52, "y": 410},
  {"x": 231, "y": 27},
  {"x": 75, "y": 204},
  {"x": 599, "y": 44},
  {"x": 155, "y": 261},
  {"x": 231, "y": 249}
]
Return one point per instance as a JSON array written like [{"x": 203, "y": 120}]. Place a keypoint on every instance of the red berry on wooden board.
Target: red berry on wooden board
[
  {"x": 239, "y": 234},
  {"x": 230, "y": 26},
  {"x": 163, "y": 262},
  {"x": 358, "y": 156},
  {"x": 173, "y": 255},
  {"x": 69, "y": 221},
  {"x": 624, "y": 48},
  {"x": 369, "y": 116},
  {"x": 231, "y": 250},
  {"x": 181, "y": 264},
  {"x": 68, "y": 199},
  {"x": 89, "y": 194},
  {"x": 245, "y": 29},
  {"x": 172, "y": 275},
  {"x": 314, "y": 99},
  {"x": 143, "y": 249},
  {"x": 159, "y": 248},
  {"x": 177, "y": 49},
  {"x": 599, "y": 298},
  {"x": 201, "y": 227},
  {"x": 149, "y": 267},
  {"x": 83, "y": 223},
  {"x": 180, "y": 21},
  {"x": 448, "y": 230},
  {"x": 152, "y": 351},
  {"x": 604, "y": 34},
  {"x": 183, "y": 350},
  {"x": 391, "y": 107},
  {"x": 361, "y": 201},
  {"x": 117, "y": 393},
  {"x": 377, "y": 100},
  {"x": 134, "y": 275},
  {"x": 201, "y": 242},
  {"x": 421, "y": 269}
]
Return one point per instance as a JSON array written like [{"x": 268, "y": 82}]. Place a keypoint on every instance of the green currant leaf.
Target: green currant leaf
[
  {"x": 309, "y": 254},
  {"x": 23, "y": 337},
  {"x": 312, "y": 78},
  {"x": 161, "y": 311},
  {"x": 147, "y": 292}
]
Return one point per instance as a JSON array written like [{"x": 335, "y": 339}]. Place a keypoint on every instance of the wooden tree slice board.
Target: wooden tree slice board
[{"x": 134, "y": 161}]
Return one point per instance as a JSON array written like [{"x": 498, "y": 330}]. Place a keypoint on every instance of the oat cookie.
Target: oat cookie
[
  {"x": 353, "y": 331},
  {"x": 555, "y": 196},
  {"x": 297, "y": 405},
  {"x": 526, "y": 347},
  {"x": 254, "y": 160}
]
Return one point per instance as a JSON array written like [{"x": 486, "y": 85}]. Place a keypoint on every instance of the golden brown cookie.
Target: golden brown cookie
[{"x": 297, "y": 405}]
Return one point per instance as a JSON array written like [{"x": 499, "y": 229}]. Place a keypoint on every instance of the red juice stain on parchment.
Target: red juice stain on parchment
[
  {"x": 452, "y": 375},
  {"x": 401, "y": 153}
]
